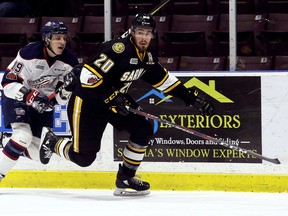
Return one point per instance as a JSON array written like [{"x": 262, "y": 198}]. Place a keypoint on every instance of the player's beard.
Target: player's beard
[{"x": 143, "y": 47}]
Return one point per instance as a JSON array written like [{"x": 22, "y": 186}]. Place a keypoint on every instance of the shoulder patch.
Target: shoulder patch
[
  {"x": 11, "y": 76},
  {"x": 118, "y": 47}
]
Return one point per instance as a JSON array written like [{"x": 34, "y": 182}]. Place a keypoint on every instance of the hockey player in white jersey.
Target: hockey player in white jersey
[{"x": 28, "y": 86}]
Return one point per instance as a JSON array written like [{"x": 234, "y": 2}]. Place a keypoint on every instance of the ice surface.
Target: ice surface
[{"x": 54, "y": 202}]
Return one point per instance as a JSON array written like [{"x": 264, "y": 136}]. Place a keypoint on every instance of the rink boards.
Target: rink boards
[{"x": 187, "y": 173}]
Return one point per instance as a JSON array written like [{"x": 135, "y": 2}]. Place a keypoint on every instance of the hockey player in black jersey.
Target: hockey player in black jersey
[{"x": 100, "y": 96}]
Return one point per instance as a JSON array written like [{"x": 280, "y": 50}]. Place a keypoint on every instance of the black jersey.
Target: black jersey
[{"x": 117, "y": 64}]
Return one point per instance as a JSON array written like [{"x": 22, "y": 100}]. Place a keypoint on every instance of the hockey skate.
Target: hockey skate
[
  {"x": 45, "y": 152},
  {"x": 130, "y": 186},
  {"x": 1, "y": 176}
]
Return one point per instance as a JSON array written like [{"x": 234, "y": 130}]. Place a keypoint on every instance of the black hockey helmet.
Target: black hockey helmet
[
  {"x": 53, "y": 27},
  {"x": 144, "y": 21}
]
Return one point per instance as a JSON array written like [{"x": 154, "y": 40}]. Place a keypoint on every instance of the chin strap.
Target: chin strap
[{"x": 49, "y": 47}]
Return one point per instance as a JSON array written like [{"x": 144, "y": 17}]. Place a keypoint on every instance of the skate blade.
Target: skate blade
[{"x": 130, "y": 192}]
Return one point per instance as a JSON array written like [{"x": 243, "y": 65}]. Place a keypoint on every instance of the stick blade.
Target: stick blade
[
  {"x": 271, "y": 160},
  {"x": 275, "y": 161}
]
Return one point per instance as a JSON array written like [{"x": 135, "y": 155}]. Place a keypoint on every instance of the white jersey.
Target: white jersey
[{"x": 34, "y": 69}]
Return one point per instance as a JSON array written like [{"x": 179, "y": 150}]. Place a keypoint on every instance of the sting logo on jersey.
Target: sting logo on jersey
[
  {"x": 42, "y": 82},
  {"x": 11, "y": 76}
]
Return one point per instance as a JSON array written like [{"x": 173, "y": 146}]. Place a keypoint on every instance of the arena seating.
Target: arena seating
[
  {"x": 4, "y": 62},
  {"x": 275, "y": 35},
  {"x": 182, "y": 39},
  {"x": 189, "y": 35},
  {"x": 271, "y": 6},
  {"x": 253, "y": 63},
  {"x": 170, "y": 63},
  {"x": 202, "y": 63},
  {"x": 249, "y": 27},
  {"x": 280, "y": 63},
  {"x": 17, "y": 25}
]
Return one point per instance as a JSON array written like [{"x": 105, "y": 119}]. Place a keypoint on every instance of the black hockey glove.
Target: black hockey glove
[
  {"x": 44, "y": 104},
  {"x": 193, "y": 99},
  {"x": 117, "y": 103},
  {"x": 70, "y": 78}
]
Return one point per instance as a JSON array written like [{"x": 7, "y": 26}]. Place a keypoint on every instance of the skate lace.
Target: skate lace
[
  {"x": 48, "y": 154},
  {"x": 137, "y": 180}
]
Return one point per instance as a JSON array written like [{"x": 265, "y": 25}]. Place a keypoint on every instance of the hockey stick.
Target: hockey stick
[
  {"x": 155, "y": 10},
  {"x": 158, "y": 7},
  {"x": 203, "y": 136}
]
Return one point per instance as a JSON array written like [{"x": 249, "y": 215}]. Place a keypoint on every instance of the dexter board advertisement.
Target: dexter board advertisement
[{"x": 237, "y": 121}]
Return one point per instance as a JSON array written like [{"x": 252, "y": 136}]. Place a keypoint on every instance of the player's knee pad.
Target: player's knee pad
[
  {"x": 83, "y": 160},
  {"x": 22, "y": 134}
]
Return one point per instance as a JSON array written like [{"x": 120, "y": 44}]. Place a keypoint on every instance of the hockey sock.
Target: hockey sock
[
  {"x": 133, "y": 155},
  {"x": 62, "y": 147},
  {"x": 32, "y": 151},
  {"x": 10, "y": 155}
]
